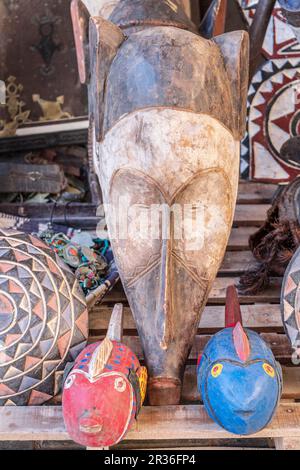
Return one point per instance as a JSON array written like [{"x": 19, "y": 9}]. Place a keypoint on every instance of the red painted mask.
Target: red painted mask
[{"x": 103, "y": 394}]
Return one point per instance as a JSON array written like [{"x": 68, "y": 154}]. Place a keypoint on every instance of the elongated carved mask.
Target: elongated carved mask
[{"x": 167, "y": 111}]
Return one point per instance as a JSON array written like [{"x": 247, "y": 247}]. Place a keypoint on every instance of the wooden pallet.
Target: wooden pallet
[{"x": 188, "y": 426}]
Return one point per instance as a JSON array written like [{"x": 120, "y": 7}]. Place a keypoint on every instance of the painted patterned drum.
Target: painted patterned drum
[{"x": 43, "y": 320}]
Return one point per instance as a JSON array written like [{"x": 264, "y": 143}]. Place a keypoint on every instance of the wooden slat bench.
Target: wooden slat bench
[
  {"x": 187, "y": 426},
  {"x": 154, "y": 424}
]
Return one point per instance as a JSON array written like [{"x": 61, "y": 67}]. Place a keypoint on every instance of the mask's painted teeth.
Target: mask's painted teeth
[{"x": 92, "y": 429}]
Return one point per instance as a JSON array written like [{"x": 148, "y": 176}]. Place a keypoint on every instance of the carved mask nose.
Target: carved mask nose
[{"x": 165, "y": 305}]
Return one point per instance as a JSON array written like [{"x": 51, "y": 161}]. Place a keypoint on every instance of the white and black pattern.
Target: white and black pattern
[
  {"x": 43, "y": 320},
  {"x": 280, "y": 41},
  {"x": 11, "y": 222},
  {"x": 260, "y": 158},
  {"x": 273, "y": 119}
]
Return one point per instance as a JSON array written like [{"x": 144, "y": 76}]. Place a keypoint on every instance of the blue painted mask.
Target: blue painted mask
[{"x": 239, "y": 380}]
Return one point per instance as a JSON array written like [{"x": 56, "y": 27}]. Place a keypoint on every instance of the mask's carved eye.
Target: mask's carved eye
[
  {"x": 120, "y": 385},
  {"x": 69, "y": 382},
  {"x": 216, "y": 370},
  {"x": 269, "y": 370}
]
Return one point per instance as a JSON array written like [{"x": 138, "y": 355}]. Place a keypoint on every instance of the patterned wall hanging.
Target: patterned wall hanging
[
  {"x": 280, "y": 40},
  {"x": 43, "y": 320},
  {"x": 273, "y": 103},
  {"x": 274, "y": 117},
  {"x": 42, "y": 58}
]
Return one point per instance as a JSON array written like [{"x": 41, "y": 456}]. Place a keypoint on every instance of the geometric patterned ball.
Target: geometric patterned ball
[{"x": 43, "y": 320}]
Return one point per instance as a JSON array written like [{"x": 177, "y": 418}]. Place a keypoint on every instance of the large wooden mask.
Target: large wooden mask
[{"x": 167, "y": 108}]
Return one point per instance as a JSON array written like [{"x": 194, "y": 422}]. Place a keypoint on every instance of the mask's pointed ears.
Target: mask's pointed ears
[
  {"x": 105, "y": 40},
  {"x": 214, "y": 20},
  {"x": 80, "y": 19},
  {"x": 235, "y": 48},
  {"x": 233, "y": 314}
]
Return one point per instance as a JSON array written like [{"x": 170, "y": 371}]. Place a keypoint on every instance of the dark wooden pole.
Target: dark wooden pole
[
  {"x": 195, "y": 12},
  {"x": 203, "y": 6},
  {"x": 258, "y": 31},
  {"x": 229, "y": 17}
]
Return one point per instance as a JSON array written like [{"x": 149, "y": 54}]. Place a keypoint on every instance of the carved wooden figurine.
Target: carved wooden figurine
[
  {"x": 168, "y": 111},
  {"x": 105, "y": 390},
  {"x": 238, "y": 377},
  {"x": 43, "y": 320}
]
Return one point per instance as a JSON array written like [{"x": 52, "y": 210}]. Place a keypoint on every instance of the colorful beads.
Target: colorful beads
[{"x": 88, "y": 262}]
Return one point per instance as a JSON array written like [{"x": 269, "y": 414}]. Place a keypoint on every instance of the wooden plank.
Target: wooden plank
[
  {"x": 279, "y": 344},
  {"x": 259, "y": 317},
  {"x": 236, "y": 263},
  {"x": 154, "y": 423},
  {"x": 239, "y": 238},
  {"x": 270, "y": 295},
  {"x": 250, "y": 214},
  {"x": 218, "y": 292},
  {"x": 291, "y": 383},
  {"x": 186, "y": 422},
  {"x": 256, "y": 193}
]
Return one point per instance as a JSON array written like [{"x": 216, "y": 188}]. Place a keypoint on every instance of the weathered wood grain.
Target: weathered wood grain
[
  {"x": 250, "y": 214},
  {"x": 278, "y": 343},
  {"x": 155, "y": 423},
  {"x": 259, "y": 317},
  {"x": 27, "y": 178},
  {"x": 256, "y": 193},
  {"x": 239, "y": 238},
  {"x": 235, "y": 263}
]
